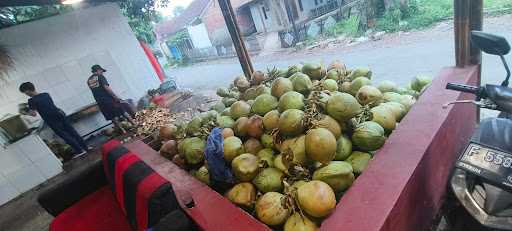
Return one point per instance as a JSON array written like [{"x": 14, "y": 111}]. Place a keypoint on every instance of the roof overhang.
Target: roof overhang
[{"x": 7, "y": 3}]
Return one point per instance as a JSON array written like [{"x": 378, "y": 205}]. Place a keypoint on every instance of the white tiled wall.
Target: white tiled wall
[
  {"x": 56, "y": 54},
  {"x": 24, "y": 165}
]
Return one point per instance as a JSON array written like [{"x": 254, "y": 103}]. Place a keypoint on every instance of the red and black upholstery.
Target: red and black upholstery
[
  {"x": 143, "y": 195},
  {"x": 130, "y": 196}
]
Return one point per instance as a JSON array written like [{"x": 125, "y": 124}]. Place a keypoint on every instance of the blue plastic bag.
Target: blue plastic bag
[{"x": 218, "y": 169}]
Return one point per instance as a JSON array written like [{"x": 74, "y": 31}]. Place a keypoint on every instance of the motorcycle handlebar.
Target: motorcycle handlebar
[{"x": 462, "y": 88}]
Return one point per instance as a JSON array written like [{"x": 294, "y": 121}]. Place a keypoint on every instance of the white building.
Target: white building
[{"x": 56, "y": 54}]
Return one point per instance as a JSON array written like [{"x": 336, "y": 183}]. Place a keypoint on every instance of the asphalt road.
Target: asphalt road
[{"x": 396, "y": 57}]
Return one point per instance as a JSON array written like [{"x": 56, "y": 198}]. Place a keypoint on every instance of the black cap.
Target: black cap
[{"x": 96, "y": 67}]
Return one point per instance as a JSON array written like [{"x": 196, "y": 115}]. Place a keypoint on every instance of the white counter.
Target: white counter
[{"x": 24, "y": 165}]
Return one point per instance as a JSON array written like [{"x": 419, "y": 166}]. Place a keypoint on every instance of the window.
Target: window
[
  {"x": 264, "y": 12},
  {"x": 300, "y": 5},
  {"x": 316, "y": 2}
]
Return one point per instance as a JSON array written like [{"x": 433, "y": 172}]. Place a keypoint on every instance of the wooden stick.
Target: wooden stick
[
  {"x": 462, "y": 29},
  {"x": 234, "y": 31}
]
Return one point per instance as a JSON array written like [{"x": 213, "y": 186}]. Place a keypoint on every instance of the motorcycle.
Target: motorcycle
[{"x": 482, "y": 178}]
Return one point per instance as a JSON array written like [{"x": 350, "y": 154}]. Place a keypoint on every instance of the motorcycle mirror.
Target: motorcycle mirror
[{"x": 490, "y": 43}]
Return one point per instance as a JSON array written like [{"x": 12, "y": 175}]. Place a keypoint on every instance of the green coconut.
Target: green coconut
[
  {"x": 194, "y": 126},
  {"x": 368, "y": 136},
  {"x": 222, "y": 92},
  {"x": 240, "y": 109},
  {"x": 296, "y": 147},
  {"x": 228, "y": 101},
  {"x": 233, "y": 147},
  {"x": 271, "y": 210},
  {"x": 359, "y": 161},
  {"x": 360, "y": 72},
  {"x": 343, "y": 148},
  {"x": 368, "y": 95},
  {"x": 194, "y": 150},
  {"x": 245, "y": 167},
  {"x": 345, "y": 87},
  {"x": 297, "y": 184},
  {"x": 225, "y": 122},
  {"x": 334, "y": 74},
  {"x": 320, "y": 145},
  {"x": 235, "y": 94},
  {"x": 250, "y": 94},
  {"x": 281, "y": 86},
  {"x": 252, "y": 146},
  {"x": 297, "y": 222},
  {"x": 279, "y": 164},
  {"x": 330, "y": 124},
  {"x": 343, "y": 106},
  {"x": 314, "y": 71},
  {"x": 397, "y": 109},
  {"x": 337, "y": 174},
  {"x": 240, "y": 127},
  {"x": 330, "y": 85},
  {"x": 263, "y": 104},
  {"x": 391, "y": 97},
  {"x": 269, "y": 180},
  {"x": 407, "y": 101},
  {"x": 241, "y": 83},
  {"x": 243, "y": 195},
  {"x": 226, "y": 112},
  {"x": 419, "y": 82},
  {"x": 290, "y": 122},
  {"x": 357, "y": 83},
  {"x": 291, "y": 100},
  {"x": 267, "y": 140},
  {"x": 292, "y": 70},
  {"x": 387, "y": 86},
  {"x": 301, "y": 83},
  {"x": 384, "y": 117},
  {"x": 219, "y": 107},
  {"x": 203, "y": 175},
  {"x": 271, "y": 120},
  {"x": 262, "y": 89},
  {"x": 258, "y": 77},
  {"x": 266, "y": 155}
]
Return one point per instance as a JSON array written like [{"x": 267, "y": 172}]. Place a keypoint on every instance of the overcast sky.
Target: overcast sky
[{"x": 172, "y": 4}]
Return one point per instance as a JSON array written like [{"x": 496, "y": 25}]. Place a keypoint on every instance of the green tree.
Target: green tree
[
  {"x": 15, "y": 15},
  {"x": 142, "y": 15}
]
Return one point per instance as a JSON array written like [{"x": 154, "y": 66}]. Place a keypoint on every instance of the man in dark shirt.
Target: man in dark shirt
[
  {"x": 108, "y": 102},
  {"x": 54, "y": 117}
]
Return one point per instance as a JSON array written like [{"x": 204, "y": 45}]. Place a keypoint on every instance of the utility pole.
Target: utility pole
[{"x": 236, "y": 36}]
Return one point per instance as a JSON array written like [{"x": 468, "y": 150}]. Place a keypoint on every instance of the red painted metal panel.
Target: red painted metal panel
[
  {"x": 402, "y": 188},
  {"x": 212, "y": 211}
]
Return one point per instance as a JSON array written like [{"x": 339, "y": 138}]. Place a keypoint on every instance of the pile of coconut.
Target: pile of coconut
[{"x": 296, "y": 139}]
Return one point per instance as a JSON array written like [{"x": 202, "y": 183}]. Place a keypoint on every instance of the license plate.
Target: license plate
[{"x": 491, "y": 164}]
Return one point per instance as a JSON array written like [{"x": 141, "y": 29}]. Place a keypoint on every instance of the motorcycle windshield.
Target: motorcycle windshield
[{"x": 495, "y": 132}]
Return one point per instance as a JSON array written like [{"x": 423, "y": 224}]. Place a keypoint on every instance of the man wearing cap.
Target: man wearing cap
[{"x": 108, "y": 102}]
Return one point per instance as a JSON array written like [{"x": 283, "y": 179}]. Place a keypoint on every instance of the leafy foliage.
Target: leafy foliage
[
  {"x": 424, "y": 13},
  {"x": 141, "y": 16},
  {"x": 179, "y": 38},
  {"x": 349, "y": 27},
  {"x": 10, "y": 16}
]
